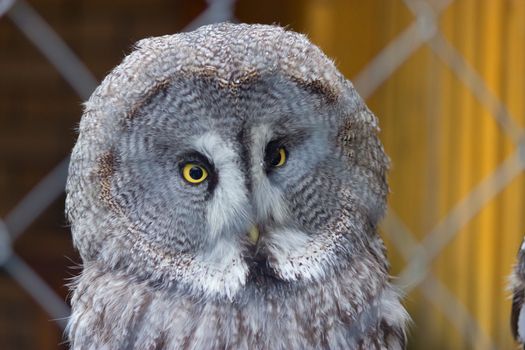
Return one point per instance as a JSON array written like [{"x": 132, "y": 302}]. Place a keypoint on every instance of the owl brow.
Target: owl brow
[
  {"x": 196, "y": 157},
  {"x": 290, "y": 137},
  {"x": 317, "y": 87}
]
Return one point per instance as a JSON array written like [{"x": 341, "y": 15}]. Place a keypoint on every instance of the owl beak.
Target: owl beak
[{"x": 253, "y": 234}]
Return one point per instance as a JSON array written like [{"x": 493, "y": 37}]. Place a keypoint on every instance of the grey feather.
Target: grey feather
[
  {"x": 517, "y": 285},
  {"x": 168, "y": 264}
]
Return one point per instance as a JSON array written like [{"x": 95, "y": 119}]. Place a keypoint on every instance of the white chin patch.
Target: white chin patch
[
  {"x": 296, "y": 256},
  {"x": 220, "y": 272}
]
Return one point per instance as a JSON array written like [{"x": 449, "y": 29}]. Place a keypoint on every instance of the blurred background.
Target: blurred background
[{"x": 445, "y": 78}]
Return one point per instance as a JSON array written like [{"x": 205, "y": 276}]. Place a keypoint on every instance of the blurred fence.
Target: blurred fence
[{"x": 456, "y": 143}]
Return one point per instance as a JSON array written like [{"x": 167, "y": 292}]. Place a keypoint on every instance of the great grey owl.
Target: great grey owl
[
  {"x": 517, "y": 318},
  {"x": 224, "y": 193}
]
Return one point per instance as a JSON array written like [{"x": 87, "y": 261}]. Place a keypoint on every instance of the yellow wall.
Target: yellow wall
[{"x": 444, "y": 140}]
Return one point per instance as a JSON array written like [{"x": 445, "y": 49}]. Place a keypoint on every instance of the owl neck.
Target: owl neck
[{"x": 110, "y": 308}]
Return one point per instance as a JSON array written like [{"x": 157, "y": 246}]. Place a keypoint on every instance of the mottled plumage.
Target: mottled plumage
[
  {"x": 517, "y": 319},
  {"x": 287, "y": 145}
]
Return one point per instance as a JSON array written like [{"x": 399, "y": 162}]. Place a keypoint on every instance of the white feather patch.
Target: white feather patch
[
  {"x": 297, "y": 256},
  {"x": 221, "y": 270},
  {"x": 267, "y": 197},
  {"x": 228, "y": 208}
]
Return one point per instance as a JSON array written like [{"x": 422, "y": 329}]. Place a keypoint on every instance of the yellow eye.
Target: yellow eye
[
  {"x": 279, "y": 158},
  {"x": 194, "y": 173},
  {"x": 282, "y": 157}
]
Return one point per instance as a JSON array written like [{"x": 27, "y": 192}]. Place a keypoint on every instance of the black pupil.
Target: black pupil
[
  {"x": 196, "y": 173},
  {"x": 276, "y": 157}
]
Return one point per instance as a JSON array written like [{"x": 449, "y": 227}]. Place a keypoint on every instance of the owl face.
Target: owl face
[{"x": 211, "y": 178}]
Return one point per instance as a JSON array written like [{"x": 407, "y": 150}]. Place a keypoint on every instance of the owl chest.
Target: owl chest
[
  {"x": 274, "y": 323},
  {"x": 310, "y": 318}
]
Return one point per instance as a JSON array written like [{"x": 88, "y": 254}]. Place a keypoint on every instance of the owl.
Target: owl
[
  {"x": 224, "y": 193},
  {"x": 517, "y": 279}
]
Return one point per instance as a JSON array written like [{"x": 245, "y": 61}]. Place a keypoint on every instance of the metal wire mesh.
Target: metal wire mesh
[{"x": 419, "y": 255}]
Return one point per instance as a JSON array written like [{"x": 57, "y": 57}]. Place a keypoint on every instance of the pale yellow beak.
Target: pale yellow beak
[{"x": 253, "y": 234}]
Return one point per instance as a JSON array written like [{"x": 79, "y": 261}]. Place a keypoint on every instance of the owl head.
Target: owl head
[{"x": 230, "y": 156}]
